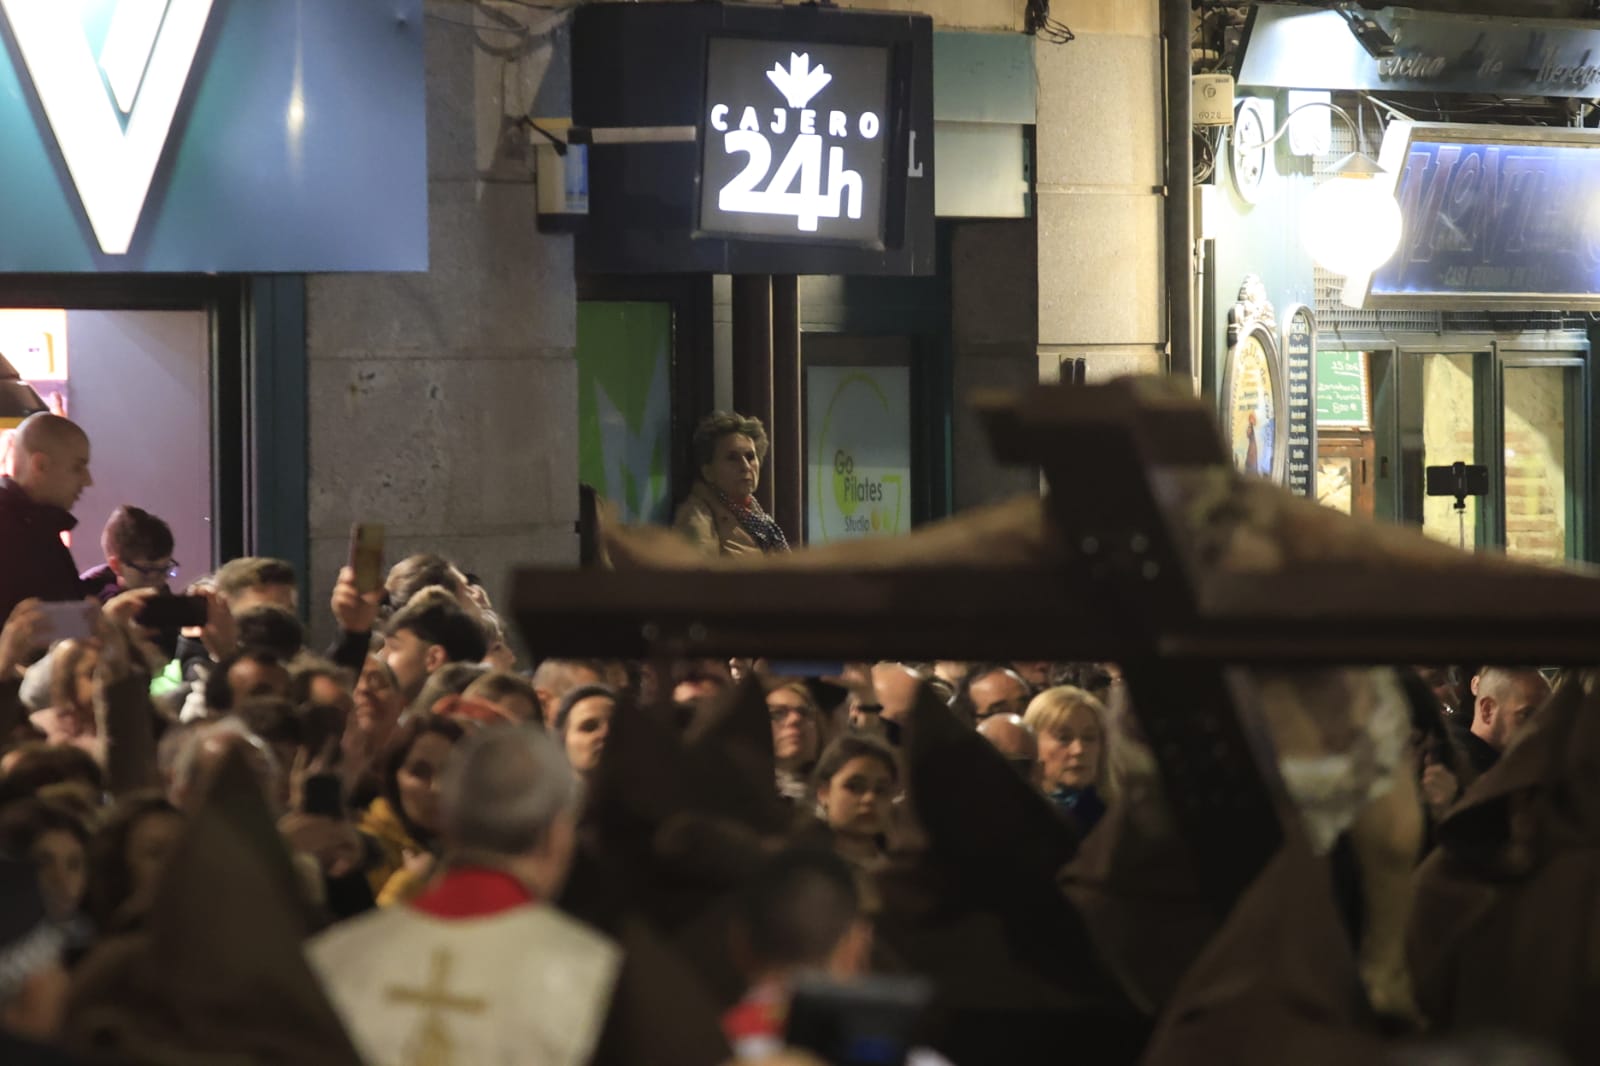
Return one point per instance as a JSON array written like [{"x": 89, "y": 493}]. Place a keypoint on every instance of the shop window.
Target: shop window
[
  {"x": 138, "y": 382},
  {"x": 625, "y": 405}
]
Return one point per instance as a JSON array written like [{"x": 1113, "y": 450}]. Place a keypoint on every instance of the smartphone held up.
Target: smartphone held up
[{"x": 366, "y": 556}]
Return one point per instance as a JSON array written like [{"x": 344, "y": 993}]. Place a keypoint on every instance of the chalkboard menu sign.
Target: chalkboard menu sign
[
  {"x": 1342, "y": 393},
  {"x": 1299, "y": 354}
]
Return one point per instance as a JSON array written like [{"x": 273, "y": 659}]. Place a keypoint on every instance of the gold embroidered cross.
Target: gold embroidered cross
[{"x": 433, "y": 1046}]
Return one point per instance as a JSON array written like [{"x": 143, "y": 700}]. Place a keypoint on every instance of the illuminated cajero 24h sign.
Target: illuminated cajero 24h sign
[{"x": 795, "y": 144}]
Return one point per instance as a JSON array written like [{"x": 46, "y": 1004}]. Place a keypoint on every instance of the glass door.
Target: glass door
[
  {"x": 1541, "y": 478},
  {"x": 1516, "y": 406},
  {"x": 1427, "y": 415}
]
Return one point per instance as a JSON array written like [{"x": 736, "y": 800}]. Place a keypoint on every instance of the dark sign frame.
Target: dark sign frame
[
  {"x": 644, "y": 198},
  {"x": 1361, "y": 290}
]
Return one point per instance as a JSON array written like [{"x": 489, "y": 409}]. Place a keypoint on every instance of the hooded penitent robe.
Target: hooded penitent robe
[
  {"x": 1504, "y": 934},
  {"x": 215, "y": 975}
]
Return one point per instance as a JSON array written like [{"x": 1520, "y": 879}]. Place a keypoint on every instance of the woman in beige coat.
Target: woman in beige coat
[{"x": 722, "y": 515}]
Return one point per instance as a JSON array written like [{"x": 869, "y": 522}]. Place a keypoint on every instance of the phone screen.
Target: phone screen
[
  {"x": 869, "y": 1022},
  {"x": 69, "y": 620},
  {"x": 174, "y": 612}
]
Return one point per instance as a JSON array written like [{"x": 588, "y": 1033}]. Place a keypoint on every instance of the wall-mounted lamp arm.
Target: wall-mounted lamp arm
[{"x": 1276, "y": 137}]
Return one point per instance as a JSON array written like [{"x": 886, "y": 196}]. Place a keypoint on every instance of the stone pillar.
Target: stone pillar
[
  {"x": 444, "y": 404},
  {"x": 1100, "y": 187}
]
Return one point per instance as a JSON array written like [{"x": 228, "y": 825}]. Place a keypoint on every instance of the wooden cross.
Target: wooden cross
[{"x": 1128, "y": 587}]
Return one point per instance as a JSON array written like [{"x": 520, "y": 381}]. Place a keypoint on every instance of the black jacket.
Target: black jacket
[
  {"x": 33, "y": 561},
  {"x": 1479, "y": 753}
]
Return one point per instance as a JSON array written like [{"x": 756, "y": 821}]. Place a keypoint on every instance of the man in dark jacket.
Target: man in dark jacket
[{"x": 52, "y": 470}]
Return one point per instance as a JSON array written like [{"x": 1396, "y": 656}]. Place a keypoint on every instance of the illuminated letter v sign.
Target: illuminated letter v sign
[{"x": 146, "y": 59}]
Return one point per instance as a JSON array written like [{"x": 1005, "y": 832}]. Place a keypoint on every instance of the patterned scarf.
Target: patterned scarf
[{"x": 756, "y": 522}]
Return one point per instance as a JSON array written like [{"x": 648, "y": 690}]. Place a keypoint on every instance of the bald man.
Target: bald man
[
  {"x": 1012, "y": 739},
  {"x": 1504, "y": 699},
  {"x": 50, "y": 462}
]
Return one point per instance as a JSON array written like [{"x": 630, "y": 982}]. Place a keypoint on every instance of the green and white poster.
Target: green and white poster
[
  {"x": 625, "y": 406},
  {"x": 858, "y": 433}
]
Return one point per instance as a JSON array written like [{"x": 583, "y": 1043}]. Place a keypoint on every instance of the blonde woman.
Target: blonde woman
[{"x": 1074, "y": 771}]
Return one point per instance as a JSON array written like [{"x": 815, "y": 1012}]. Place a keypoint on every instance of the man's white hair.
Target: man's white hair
[{"x": 502, "y": 789}]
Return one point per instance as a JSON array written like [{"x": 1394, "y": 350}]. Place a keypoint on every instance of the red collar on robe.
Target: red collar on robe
[{"x": 473, "y": 892}]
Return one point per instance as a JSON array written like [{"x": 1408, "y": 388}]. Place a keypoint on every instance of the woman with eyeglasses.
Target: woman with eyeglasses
[{"x": 796, "y": 737}]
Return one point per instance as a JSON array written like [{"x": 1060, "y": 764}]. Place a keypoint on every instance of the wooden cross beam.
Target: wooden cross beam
[{"x": 1125, "y": 588}]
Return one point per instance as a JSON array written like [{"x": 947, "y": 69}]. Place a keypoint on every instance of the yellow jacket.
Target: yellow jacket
[{"x": 384, "y": 826}]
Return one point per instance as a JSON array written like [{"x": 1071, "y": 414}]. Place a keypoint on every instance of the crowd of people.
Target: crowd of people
[{"x": 475, "y": 857}]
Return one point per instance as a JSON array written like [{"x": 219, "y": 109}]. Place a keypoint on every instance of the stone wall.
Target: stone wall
[
  {"x": 444, "y": 404},
  {"x": 1100, "y": 185}
]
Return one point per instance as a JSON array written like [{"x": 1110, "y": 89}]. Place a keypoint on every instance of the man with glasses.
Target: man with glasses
[{"x": 138, "y": 550}]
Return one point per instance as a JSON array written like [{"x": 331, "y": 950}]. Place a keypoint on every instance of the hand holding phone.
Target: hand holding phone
[
  {"x": 68, "y": 620},
  {"x": 323, "y": 795},
  {"x": 366, "y": 556}
]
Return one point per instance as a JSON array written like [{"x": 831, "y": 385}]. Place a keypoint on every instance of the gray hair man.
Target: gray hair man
[{"x": 480, "y": 966}]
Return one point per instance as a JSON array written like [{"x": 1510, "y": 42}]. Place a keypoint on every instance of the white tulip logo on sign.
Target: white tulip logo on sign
[{"x": 794, "y": 140}]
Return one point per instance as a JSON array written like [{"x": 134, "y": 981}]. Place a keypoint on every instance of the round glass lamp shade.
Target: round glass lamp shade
[{"x": 1352, "y": 223}]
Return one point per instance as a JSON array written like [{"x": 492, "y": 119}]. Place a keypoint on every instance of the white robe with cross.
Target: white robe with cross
[{"x": 528, "y": 986}]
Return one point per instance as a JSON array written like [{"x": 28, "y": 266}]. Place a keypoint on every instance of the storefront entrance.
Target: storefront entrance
[
  {"x": 193, "y": 392},
  {"x": 1514, "y": 405}
]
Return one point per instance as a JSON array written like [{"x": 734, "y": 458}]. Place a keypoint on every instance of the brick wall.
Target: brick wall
[{"x": 1536, "y": 504}]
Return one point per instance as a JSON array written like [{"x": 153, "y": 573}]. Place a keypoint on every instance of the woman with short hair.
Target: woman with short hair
[
  {"x": 721, "y": 515},
  {"x": 1074, "y": 772}
]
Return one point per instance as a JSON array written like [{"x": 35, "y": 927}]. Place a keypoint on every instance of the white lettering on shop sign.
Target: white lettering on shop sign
[{"x": 815, "y": 164}]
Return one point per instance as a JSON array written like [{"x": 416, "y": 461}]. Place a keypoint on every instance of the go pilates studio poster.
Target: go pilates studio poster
[{"x": 858, "y": 434}]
